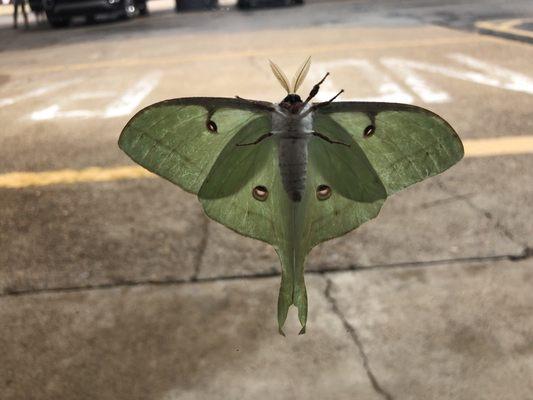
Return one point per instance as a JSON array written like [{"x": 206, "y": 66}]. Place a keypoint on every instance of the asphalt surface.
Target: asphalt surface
[{"x": 114, "y": 285}]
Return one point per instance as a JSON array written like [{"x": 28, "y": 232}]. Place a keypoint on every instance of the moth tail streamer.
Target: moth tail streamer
[
  {"x": 292, "y": 290},
  {"x": 292, "y": 256}
]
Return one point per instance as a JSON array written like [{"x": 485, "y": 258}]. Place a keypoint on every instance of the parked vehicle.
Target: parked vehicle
[
  {"x": 36, "y": 6},
  {"x": 184, "y": 5},
  {"x": 247, "y": 4},
  {"x": 60, "y": 12}
]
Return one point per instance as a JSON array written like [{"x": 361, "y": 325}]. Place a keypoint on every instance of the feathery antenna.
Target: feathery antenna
[
  {"x": 280, "y": 76},
  {"x": 298, "y": 78},
  {"x": 300, "y": 75}
]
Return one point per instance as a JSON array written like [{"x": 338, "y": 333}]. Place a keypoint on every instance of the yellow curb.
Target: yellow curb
[
  {"x": 506, "y": 26},
  {"x": 498, "y": 146},
  {"x": 16, "y": 180},
  {"x": 488, "y": 147}
]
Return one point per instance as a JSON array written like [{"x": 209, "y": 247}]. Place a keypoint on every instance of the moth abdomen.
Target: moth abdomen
[
  {"x": 293, "y": 177},
  {"x": 296, "y": 196},
  {"x": 293, "y": 163}
]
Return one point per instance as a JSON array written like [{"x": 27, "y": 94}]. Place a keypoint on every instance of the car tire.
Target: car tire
[
  {"x": 57, "y": 22},
  {"x": 129, "y": 9},
  {"x": 244, "y": 4}
]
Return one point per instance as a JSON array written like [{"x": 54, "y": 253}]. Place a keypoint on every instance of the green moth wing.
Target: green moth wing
[
  {"x": 392, "y": 146},
  {"x": 404, "y": 144},
  {"x": 230, "y": 196},
  {"x": 180, "y": 139},
  {"x": 244, "y": 192}
]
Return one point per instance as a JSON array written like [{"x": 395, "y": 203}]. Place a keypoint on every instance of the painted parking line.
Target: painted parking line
[
  {"x": 498, "y": 146},
  {"x": 266, "y": 53},
  {"x": 489, "y": 147},
  {"x": 508, "y": 27},
  {"x": 15, "y": 180}
]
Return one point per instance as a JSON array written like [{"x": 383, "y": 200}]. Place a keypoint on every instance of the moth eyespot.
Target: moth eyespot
[
  {"x": 369, "y": 131},
  {"x": 211, "y": 126},
  {"x": 260, "y": 193},
  {"x": 323, "y": 192}
]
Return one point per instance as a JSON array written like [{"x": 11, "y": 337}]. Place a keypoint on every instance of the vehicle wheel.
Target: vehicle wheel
[
  {"x": 57, "y": 22},
  {"x": 243, "y": 4},
  {"x": 143, "y": 8},
  {"x": 90, "y": 19},
  {"x": 129, "y": 10},
  {"x": 299, "y": 2}
]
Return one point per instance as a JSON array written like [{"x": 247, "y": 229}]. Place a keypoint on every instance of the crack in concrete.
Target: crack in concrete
[
  {"x": 526, "y": 254},
  {"x": 201, "y": 249},
  {"x": 357, "y": 341},
  {"x": 500, "y": 227},
  {"x": 446, "y": 200}
]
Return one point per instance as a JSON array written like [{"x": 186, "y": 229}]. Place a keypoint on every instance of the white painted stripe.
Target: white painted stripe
[
  {"x": 37, "y": 92},
  {"x": 53, "y": 112},
  {"x": 426, "y": 92},
  {"x": 387, "y": 89},
  {"x": 133, "y": 97},
  {"x": 508, "y": 79},
  {"x": 491, "y": 75}
]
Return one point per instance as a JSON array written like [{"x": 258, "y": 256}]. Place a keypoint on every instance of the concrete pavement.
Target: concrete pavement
[{"x": 122, "y": 289}]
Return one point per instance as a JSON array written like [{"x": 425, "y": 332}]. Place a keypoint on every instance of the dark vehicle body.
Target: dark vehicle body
[
  {"x": 190, "y": 5},
  {"x": 59, "y": 12},
  {"x": 247, "y": 4},
  {"x": 36, "y": 6}
]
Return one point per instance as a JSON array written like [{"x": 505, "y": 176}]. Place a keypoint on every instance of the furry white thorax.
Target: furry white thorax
[{"x": 285, "y": 123}]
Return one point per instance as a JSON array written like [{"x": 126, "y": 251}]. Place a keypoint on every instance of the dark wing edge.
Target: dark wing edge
[
  {"x": 370, "y": 107},
  {"x": 217, "y": 102}
]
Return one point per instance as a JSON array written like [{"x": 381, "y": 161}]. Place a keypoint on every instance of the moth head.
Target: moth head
[{"x": 297, "y": 80}]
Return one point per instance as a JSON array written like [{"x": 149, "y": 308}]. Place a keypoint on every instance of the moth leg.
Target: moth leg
[
  {"x": 315, "y": 89},
  {"x": 324, "y": 137},
  {"x": 325, "y": 103},
  {"x": 260, "y": 138},
  {"x": 319, "y": 105}
]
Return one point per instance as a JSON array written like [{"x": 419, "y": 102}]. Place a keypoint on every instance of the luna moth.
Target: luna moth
[{"x": 292, "y": 174}]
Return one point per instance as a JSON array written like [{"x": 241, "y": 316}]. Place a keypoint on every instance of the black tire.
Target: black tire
[
  {"x": 90, "y": 19},
  {"x": 243, "y": 4},
  {"x": 129, "y": 9},
  {"x": 57, "y": 22}
]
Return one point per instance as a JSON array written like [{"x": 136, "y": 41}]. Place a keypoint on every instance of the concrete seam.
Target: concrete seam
[
  {"x": 356, "y": 340},
  {"x": 528, "y": 253}
]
